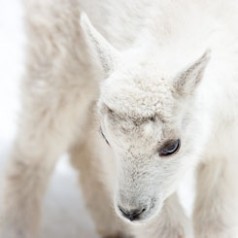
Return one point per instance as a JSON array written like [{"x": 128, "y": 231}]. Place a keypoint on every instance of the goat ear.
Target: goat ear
[
  {"x": 187, "y": 81},
  {"x": 106, "y": 53}
]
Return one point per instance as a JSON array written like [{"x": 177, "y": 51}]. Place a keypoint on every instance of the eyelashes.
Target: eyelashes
[{"x": 104, "y": 137}]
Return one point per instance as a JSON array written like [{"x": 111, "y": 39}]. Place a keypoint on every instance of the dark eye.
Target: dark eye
[
  {"x": 104, "y": 137},
  {"x": 170, "y": 147}
]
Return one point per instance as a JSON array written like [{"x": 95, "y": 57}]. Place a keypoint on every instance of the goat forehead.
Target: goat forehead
[
  {"x": 139, "y": 101},
  {"x": 138, "y": 133},
  {"x": 142, "y": 131}
]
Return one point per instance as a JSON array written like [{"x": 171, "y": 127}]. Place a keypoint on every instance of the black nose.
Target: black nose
[{"x": 133, "y": 214}]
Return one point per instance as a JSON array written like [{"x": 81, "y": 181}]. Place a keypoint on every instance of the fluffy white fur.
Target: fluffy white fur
[{"x": 169, "y": 70}]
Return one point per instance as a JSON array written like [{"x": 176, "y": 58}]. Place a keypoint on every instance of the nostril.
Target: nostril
[
  {"x": 143, "y": 210},
  {"x": 133, "y": 214}
]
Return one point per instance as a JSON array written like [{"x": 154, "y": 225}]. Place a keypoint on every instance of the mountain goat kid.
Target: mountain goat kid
[{"x": 168, "y": 103}]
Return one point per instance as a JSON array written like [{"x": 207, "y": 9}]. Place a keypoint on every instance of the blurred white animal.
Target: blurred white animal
[{"x": 168, "y": 103}]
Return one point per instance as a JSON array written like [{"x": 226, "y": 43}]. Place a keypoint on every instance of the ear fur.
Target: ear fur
[
  {"x": 187, "y": 81},
  {"x": 106, "y": 53}
]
